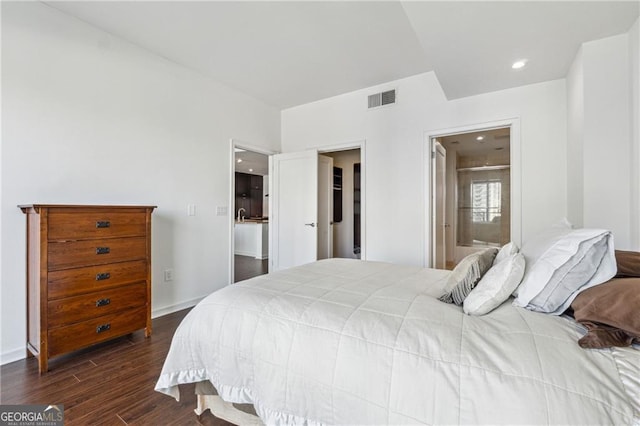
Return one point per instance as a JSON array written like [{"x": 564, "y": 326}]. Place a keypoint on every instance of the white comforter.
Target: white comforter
[{"x": 354, "y": 342}]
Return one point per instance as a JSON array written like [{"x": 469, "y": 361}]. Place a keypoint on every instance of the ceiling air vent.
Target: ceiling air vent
[{"x": 384, "y": 98}]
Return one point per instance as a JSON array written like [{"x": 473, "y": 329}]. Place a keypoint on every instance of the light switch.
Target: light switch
[
  {"x": 168, "y": 275},
  {"x": 191, "y": 209}
]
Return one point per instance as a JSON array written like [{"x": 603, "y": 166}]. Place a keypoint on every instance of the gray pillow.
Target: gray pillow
[{"x": 466, "y": 275}]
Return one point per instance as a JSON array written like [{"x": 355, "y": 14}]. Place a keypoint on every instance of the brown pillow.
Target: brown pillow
[
  {"x": 610, "y": 311},
  {"x": 628, "y": 264},
  {"x": 603, "y": 336}
]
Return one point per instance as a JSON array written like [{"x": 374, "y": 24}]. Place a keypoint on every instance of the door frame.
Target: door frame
[
  {"x": 236, "y": 143},
  {"x": 429, "y": 180},
  {"x": 325, "y": 210}
]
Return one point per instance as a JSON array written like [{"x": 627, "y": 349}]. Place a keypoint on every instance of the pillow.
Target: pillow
[
  {"x": 466, "y": 275},
  {"x": 536, "y": 246},
  {"x": 496, "y": 286},
  {"x": 628, "y": 263},
  {"x": 505, "y": 252},
  {"x": 601, "y": 336},
  {"x": 572, "y": 262},
  {"x": 610, "y": 313}
]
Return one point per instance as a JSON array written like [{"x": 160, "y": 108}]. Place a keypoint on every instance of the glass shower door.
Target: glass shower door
[{"x": 483, "y": 206}]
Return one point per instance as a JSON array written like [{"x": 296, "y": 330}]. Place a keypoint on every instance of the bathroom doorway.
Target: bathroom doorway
[{"x": 472, "y": 193}]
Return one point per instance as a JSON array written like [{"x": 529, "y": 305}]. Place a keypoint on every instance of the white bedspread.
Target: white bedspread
[{"x": 353, "y": 342}]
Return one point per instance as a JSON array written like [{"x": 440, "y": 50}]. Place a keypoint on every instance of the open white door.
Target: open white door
[
  {"x": 325, "y": 207},
  {"x": 294, "y": 209},
  {"x": 440, "y": 161}
]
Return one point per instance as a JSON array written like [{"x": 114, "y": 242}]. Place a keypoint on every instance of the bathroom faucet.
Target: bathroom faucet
[{"x": 241, "y": 210}]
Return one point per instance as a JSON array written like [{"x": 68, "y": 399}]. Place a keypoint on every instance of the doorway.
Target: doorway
[
  {"x": 318, "y": 208},
  {"x": 249, "y": 212},
  {"x": 346, "y": 218},
  {"x": 473, "y": 197}
]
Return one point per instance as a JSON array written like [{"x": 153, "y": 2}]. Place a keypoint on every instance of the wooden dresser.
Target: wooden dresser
[{"x": 88, "y": 276}]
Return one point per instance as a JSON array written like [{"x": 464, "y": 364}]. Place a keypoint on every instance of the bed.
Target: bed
[{"x": 344, "y": 341}]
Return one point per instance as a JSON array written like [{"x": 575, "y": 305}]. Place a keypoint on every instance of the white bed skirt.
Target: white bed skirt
[{"x": 226, "y": 411}]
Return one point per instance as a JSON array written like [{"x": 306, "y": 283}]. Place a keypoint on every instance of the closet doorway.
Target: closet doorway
[
  {"x": 473, "y": 193},
  {"x": 346, "y": 192}
]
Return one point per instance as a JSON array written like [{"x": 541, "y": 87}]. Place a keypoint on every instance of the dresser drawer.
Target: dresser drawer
[
  {"x": 72, "y": 254},
  {"x": 76, "y": 336},
  {"x": 79, "y": 308},
  {"x": 73, "y": 282},
  {"x": 81, "y": 224}
]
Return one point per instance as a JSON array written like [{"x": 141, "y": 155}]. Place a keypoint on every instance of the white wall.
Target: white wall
[
  {"x": 396, "y": 217},
  {"x": 606, "y": 137},
  {"x": 89, "y": 118},
  {"x": 575, "y": 135},
  {"x": 603, "y": 158}
]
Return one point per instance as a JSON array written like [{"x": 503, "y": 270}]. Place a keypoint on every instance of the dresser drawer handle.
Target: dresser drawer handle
[
  {"x": 103, "y": 276},
  {"x": 103, "y": 327},
  {"x": 102, "y": 302},
  {"x": 102, "y": 250},
  {"x": 103, "y": 224}
]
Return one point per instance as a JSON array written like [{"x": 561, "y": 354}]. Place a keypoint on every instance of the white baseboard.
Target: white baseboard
[
  {"x": 21, "y": 353},
  {"x": 14, "y": 355},
  {"x": 155, "y": 313}
]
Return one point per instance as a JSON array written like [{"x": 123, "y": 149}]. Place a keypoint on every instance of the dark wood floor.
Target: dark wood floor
[
  {"x": 108, "y": 384},
  {"x": 248, "y": 267}
]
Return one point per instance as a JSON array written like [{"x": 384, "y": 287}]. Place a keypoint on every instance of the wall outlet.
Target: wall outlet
[
  {"x": 168, "y": 274},
  {"x": 222, "y": 211}
]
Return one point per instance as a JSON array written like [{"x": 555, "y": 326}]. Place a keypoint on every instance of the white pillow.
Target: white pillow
[
  {"x": 572, "y": 263},
  {"x": 538, "y": 245},
  {"x": 534, "y": 248},
  {"x": 496, "y": 286},
  {"x": 505, "y": 252}
]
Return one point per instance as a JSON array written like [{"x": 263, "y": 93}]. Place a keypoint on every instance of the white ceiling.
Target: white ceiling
[
  {"x": 252, "y": 163},
  {"x": 495, "y": 141},
  {"x": 291, "y": 53},
  {"x": 492, "y": 150}
]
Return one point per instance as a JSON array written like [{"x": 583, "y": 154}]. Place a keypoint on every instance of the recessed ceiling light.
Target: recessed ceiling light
[
  {"x": 239, "y": 160},
  {"x": 519, "y": 64},
  {"x": 250, "y": 170},
  {"x": 479, "y": 138}
]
